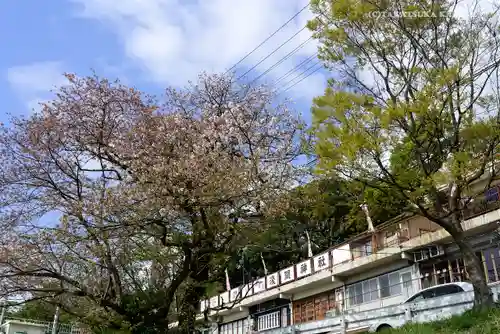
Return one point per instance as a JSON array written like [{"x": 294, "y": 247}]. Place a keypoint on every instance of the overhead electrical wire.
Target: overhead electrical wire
[
  {"x": 302, "y": 63},
  {"x": 281, "y": 60},
  {"x": 268, "y": 38},
  {"x": 288, "y": 55},
  {"x": 302, "y": 76},
  {"x": 307, "y": 76},
  {"x": 301, "y": 73},
  {"x": 273, "y": 52}
]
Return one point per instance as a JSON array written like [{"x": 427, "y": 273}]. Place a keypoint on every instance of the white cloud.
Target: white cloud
[
  {"x": 33, "y": 82},
  {"x": 467, "y": 8},
  {"x": 174, "y": 40}
]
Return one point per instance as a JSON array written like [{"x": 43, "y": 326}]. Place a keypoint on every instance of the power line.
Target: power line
[
  {"x": 273, "y": 52},
  {"x": 302, "y": 73},
  {"x": 268, "y": 38},
  {"x": 305, "y": 61},
  {"x": 291, "y": 53},
  {"x": 307, "y": 76}
]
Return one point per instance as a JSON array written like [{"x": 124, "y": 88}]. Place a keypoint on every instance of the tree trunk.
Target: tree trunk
[
  {"x": 483, "y": 298},
  {"x": 187, "y": 318}
]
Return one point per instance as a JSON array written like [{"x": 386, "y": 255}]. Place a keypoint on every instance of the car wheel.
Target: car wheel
[{"x": 383, "y": 328}]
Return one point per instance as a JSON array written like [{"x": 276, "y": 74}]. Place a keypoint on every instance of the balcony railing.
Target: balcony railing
[
  {"x": 394, "y": 241},
  {"x": 480, "y": 207},
  {"x": 268, "y": 321}
]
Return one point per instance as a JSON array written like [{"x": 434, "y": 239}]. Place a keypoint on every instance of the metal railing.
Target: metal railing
[
  {"x": 268, "y": 321},
  {"x": 480, "y": 207}
]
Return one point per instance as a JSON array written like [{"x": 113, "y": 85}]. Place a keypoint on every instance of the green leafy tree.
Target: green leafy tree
[
  {"x": 415, "y": 106},
  {"x": 328, "y": 209},
  {"x": 41, "y": 310}
]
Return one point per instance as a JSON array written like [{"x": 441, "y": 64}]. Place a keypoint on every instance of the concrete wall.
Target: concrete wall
[
  {"x": 316, "y": 289},
  {"x": 396, "y": 265},
  {"x": 417, "y": 223},
  {"x": 12, "y": 327},
  {"x": 407, "y": 228},
  {"x": 235, "y": 316},
  {"x": 341, "y": 254}
]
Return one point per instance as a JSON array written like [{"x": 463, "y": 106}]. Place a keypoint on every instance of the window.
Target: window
[
  {"x": 438, "y": 291},
  {"x": 370, "y": 290},
  {"x": 395, "y": 284},
  {"x": 446, "y": 290},
  {"x": 361, "y": 250},
  {"x": 351, "y": 295},
  {"x": 418, "y": 297},
  {"x": 235, "y": 327},
  {"x": 368, "y": 248},
  {"x": 383, "y": 282},
  {"x": 239, "y": 327},
  {"x": 363, "y": 292},
  {"x": 407, "y": 284},
  {"x": 421, "y": 296},
  {"x": 268, "y": 321},
  {"x": 390, "y": 284},
  {"x": 492, "y": 263},
  {"x": 355, "y": 293}
]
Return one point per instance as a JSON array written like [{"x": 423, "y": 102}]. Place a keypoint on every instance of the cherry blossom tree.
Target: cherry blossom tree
[{"x": 115, "y": 203}]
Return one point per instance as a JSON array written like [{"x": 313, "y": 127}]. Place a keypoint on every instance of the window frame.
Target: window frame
[{"x": 383, "y": 291}]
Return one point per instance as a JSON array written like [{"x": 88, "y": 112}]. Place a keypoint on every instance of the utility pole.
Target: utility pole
[
  {"x": 364, "y": 207},
  {"x": 2, "y": 315},
  {"x": 56, "y": 321}
]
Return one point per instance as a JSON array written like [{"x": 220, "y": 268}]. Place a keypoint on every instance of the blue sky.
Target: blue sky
[{"x": 146, "y": 43}]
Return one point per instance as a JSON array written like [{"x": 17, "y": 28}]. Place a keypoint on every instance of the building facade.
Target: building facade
[{"x": 378, "y": 268}]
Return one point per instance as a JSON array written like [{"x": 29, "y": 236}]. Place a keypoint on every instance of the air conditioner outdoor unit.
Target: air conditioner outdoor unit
[
  {"x": 435, "y": 251},
  {"x": 421, "y": 255}
]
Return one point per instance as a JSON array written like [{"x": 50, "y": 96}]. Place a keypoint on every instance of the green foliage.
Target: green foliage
[
  {"x": 40, "y": 310},
  {"x": 328, "y": 209},
  {"x": 468, "y": 323},
  {"x": 417, "y": 125},
  {"x": 416, "y": 107}
]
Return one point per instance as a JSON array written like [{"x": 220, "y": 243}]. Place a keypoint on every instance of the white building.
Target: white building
[{"x": 374, "y": 269}]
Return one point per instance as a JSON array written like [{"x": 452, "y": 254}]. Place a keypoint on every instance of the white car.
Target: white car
[
  {"x": 432, "y": 292},
  {"x": 440, "y": 290}
]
